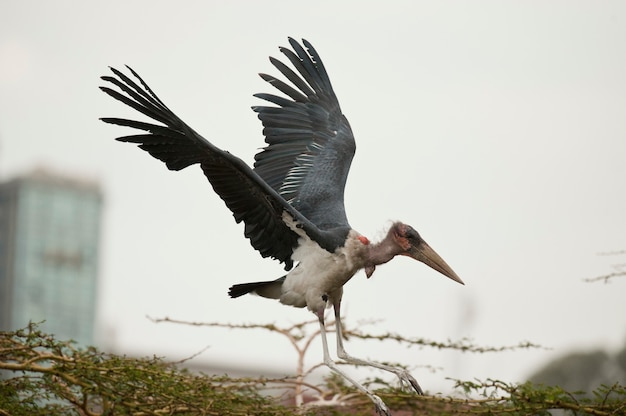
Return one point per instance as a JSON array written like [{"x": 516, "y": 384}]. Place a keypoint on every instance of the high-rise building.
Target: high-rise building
[{"x": 49, "y": 241}]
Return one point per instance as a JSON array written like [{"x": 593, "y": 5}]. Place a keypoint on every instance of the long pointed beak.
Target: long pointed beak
[{"x": 424, "y": 253}]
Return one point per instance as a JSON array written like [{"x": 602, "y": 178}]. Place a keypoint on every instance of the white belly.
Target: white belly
[{"x": 320, "y": 274}]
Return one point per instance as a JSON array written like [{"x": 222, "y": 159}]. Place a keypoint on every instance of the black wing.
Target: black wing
[
  {"x": 245, "y": 193},
  {"x": 311, "y": 145}
]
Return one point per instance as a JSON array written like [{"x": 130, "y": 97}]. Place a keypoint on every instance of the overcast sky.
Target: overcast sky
[{"x": 497, "y": 129}]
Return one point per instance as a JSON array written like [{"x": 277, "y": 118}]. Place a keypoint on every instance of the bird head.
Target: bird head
[
  {"x": 414, "y": 246},
  {"x": 402, "y": 239}
]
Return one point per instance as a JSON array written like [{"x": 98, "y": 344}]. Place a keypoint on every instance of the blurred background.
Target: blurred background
[{"x": 497, "y": 129}]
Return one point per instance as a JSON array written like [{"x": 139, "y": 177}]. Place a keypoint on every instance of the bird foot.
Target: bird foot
[
  {"x": 339, "y": 400},
  {"x": 381, "y": 407},
  {"x": 407, "y": 379}
]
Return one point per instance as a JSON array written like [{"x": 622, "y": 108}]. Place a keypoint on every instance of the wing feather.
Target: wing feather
[
  {"x": 310, "y": 142},
  {"x": 244, "y": 192}
]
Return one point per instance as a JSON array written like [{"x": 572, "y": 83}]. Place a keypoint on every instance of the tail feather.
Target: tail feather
[{"x": 268, "y": 289}]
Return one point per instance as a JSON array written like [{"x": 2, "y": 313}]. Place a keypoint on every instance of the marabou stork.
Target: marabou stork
[{"x": 292, "y": 201}]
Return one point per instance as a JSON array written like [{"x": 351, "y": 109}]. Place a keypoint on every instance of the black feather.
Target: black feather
[
  {"x": 301, "y": 173},
  {"x": 310, "y": 143}
]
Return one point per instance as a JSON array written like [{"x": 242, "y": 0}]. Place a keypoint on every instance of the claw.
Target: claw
[
  {"x": 407, "y": 379},
  {"x": 381, "y": 407},
  {"x": 415, "y": 385}
]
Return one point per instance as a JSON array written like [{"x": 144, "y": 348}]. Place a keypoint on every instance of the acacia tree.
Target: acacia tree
[{"x": 44, "y": 376}]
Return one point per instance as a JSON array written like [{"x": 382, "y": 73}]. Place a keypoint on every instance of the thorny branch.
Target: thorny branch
[
  {"x": 49, "y": 377},
  {"x": 619, "y": 267}
]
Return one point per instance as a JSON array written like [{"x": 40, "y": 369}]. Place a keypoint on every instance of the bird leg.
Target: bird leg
[
  {"x": 381, "y": 407},
  {"x": 405, "y": 377}
]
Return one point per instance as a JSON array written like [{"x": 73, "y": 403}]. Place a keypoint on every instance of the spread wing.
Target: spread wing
[
  {"x": 310, "y": 142},
  {"x": 245, "y": 193}
]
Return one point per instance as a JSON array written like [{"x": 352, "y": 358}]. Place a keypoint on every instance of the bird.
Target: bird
[{"x": 291, "y": 201}]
